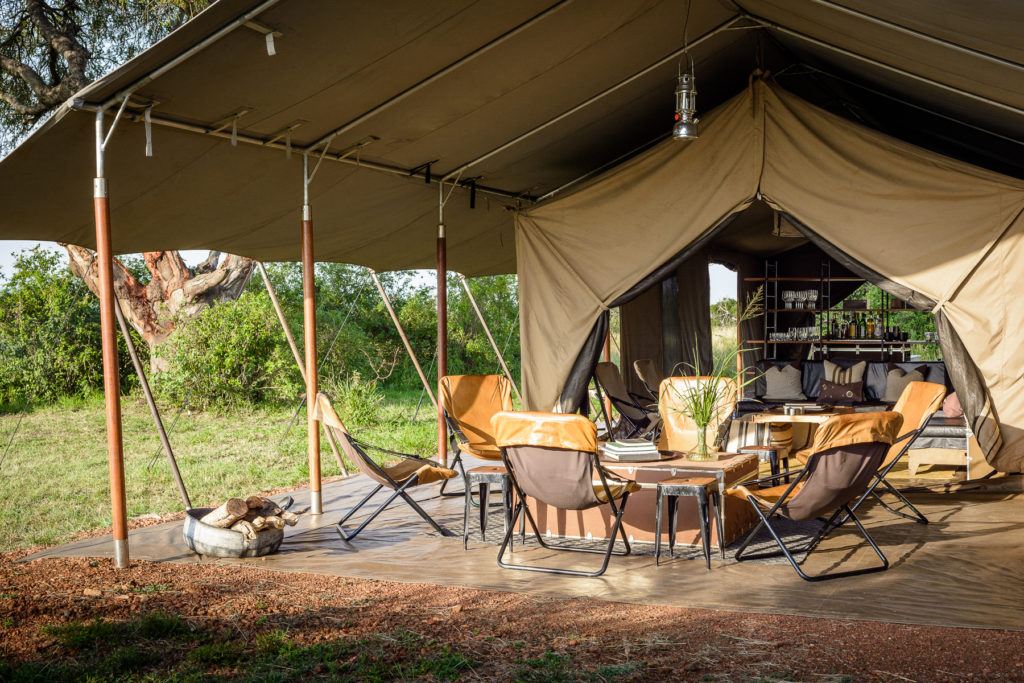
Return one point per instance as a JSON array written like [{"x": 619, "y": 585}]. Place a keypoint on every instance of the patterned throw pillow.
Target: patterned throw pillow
[
  {"x": 951, "y": 406},
  {"x": 841, "y": 394},
  {"x": 783, "y": 384},
  {"x": 837, "y": 374},
  {"x": 897, "y": 379}
]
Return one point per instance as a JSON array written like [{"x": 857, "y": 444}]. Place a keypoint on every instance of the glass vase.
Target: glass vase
[{"x": 702, "y": 451}]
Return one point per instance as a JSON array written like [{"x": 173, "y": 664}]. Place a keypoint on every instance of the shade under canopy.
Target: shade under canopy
[{"x": 560, "y": 88}]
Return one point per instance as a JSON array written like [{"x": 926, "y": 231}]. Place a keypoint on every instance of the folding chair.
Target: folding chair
[
  {"x": 639, "y": 417},
  {"x": 847, "y": 452},
  {"x": 410, "y": 471},
  {"x": 678, "y": 430},
  {"x": 917, "y": 404},
  {"x": 469, "y": 402},
  {"x": 647, "y": 371},
  {"x": 552, "y": 458}
]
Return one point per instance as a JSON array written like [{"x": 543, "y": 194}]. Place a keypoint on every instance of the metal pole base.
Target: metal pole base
[
  {"x": 121, "y": 553},
  {"x": 316, "y": 503}
]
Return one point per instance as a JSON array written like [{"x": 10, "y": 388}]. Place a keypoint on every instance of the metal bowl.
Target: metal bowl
[{"x": 216, "y": 542}]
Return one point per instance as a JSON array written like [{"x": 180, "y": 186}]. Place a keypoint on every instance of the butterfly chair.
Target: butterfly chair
[
  {"x": 678, "y": 430},
  {"x": 552, "y": 458},
  {"x": 647, "y": 371},
  {"x": 917, "y": 404},
  {"x": 469, "y": 402},
  {"x": 847, "y": 452},
  {"x": 639, "y": 418},
  {"x": 408, "y": 472}
]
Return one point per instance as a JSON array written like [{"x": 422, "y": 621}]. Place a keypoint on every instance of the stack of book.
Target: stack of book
[{"x": 631, "y": 450}]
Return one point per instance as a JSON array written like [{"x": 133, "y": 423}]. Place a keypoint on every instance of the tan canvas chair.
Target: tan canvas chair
[
  {"x": 552, "y": 458},
  {"x": 647, "y": 370},
  {"x": 638, "y": 417},
  {"x": 405, "y": 472},
  {"x": 847, "y": 452},
  {"x": 917, "y": 404},
  {"x": 469, "y": 402},
  {"x": 678, "y": 431}
]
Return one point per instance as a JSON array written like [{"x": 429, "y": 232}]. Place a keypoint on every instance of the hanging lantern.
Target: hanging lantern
[{"x": 686, "y": 127}]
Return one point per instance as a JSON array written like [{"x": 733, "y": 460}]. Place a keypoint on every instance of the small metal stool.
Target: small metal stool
[
  {"x": 701, "y": 488},
  {"x": 483, "y": 477},
  {"x": 769, "y": 454}
]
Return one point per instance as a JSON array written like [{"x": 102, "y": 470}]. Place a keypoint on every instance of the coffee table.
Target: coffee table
[{"x": 729, "y": 469}]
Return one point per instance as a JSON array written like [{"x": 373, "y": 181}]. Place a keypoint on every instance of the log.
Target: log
[
  {"x": 258, "y": 522},
  {"x": 275, "y": 521},
  {"x": 227, "y": 514},
  {"x": 245, "y": 528},
  {"x": 256, "y": 502},
  {"x": 290, "y": 518}
]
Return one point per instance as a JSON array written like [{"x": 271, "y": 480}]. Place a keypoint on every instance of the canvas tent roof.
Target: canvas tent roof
[
  {"x": 947, "y": 233},
  {"x": 562, "y": 88}
]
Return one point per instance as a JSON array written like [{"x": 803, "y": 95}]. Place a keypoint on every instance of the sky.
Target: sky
[{"x": 723, "y": 280}]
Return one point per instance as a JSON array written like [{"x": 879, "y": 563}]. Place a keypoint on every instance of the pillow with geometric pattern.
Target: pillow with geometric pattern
[{"x": 783, "y": 384}]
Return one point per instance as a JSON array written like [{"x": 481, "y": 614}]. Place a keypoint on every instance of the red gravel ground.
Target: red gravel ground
[{"x": 59, "y": 619}]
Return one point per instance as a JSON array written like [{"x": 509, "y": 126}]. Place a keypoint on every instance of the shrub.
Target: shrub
[
  {"x": 50, "y": 334},
  {"x": 230, "y": 354},
  {"x": 357, "y": 400}
]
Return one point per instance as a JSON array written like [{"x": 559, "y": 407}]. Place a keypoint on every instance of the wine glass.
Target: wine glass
[
  {"x": 812, "y": 298},
  {"x": 801, "y": 299},
  {"x": 788, "y": 296}
]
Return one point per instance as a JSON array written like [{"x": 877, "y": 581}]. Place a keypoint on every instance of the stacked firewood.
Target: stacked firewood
[{"x": 250, "y": 516}]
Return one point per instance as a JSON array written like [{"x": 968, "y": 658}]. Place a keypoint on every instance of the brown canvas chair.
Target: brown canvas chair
[
  {"x": 678, "y": 431},
  {"x": 647, "y": 370},
  {"x": 552, "y": 458},
  {"x": 469, "y": 402},
  {"x": 847, "y": 453},
  {"x": 407, "y": 472},
  {"x": 639, "y": 417}
]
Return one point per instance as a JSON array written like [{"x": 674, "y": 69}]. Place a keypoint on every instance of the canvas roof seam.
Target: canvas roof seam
[
  {"x": 437, "y": 75},
  {"x": 594, "y": 98},
  {"x": 834, "y": 6},
  {"x": 895, "y": 69}
]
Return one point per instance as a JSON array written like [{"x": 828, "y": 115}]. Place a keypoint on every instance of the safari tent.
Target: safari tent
[{"x": 530, "y": 137}]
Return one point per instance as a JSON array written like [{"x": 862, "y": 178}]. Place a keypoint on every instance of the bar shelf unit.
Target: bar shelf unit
[{"x": 824, "y": 315}]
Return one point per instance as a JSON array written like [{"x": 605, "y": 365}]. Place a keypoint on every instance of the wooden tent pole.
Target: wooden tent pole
[
  {"x": 404, "y": 337},
  {"x": 442, "y": 325},
  {"x": 309, "y": 336},
  {"x": 108, "y": 336},
  {"x": 140, "y": 372},
  {"x": 490, "y": 337},
  {"x": 295, "y": 352}
]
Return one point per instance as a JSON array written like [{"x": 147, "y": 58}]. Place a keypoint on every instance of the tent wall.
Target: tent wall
[{"x": 946, "y": 230}]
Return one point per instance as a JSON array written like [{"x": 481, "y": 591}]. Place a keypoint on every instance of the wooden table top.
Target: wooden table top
[
  {"x": 676, "y": 460},
  {"x": 776, "y": 416}
]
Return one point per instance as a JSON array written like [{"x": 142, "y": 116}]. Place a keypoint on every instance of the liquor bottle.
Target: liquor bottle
[
  {"x": 871, "y": 328},
  {"x": 851, "y": 328}
]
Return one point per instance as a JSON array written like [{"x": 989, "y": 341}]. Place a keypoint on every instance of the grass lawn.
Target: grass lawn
[{"x": 53, "y": 482}]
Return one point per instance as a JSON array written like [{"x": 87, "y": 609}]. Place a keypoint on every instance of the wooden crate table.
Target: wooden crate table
[{"x": 729, "y": 469}]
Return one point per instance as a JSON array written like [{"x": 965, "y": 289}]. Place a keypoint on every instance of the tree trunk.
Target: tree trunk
[{"x": 175, "y": 293}]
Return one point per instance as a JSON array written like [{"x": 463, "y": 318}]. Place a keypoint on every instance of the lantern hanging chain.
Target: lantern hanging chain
[{"x": 686, "y": 45}]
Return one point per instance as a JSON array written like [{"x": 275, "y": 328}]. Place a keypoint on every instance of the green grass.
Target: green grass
[
  {"x": 157, "y": 646},
  {"x": 53, "y": 482}
]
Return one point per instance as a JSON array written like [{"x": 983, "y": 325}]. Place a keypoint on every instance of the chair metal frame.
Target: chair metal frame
[
  {"x": 835, "y": 521},
  {"x": 618, "y": 509},
  {"x": 399, "y": 490},
  {"x": 649, "y": 430},
  {"x": 915, "y": 515}
]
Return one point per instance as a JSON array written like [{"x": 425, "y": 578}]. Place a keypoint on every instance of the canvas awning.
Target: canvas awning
[
  {"x": 532, "y": 95},
  {"x": 944, "y": 230}
]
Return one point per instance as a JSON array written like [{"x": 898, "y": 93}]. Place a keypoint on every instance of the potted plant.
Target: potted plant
[{"x": 711, "y": 393}]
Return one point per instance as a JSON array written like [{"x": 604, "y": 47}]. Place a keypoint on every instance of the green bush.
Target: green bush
[
  {"x": 230, "y": 354},
  {"x": 50, "y": 334},
  {"x": 358, "y": 401}
]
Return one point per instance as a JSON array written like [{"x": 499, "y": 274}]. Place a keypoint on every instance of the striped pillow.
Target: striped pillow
[{"x": 837, "y": 374}]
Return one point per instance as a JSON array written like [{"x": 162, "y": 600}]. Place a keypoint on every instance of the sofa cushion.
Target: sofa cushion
[
  {"x": 878, "y": 372},
  {"x": 897, "y": 379},
  {"x": 951, "y": 406},
  {"x": 783, "y": 384},
  {"x": 839, "y": 374},
  {"x": 841, "y": 394}
]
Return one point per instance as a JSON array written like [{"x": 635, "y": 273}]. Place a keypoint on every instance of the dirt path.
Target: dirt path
[{"x": 87, "y": 619}]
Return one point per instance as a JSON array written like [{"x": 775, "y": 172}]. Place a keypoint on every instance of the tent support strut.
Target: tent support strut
[
  {"x": 490, "y": 337},
  {"x": 403, "y": 336},
  {"x": 108, "y": 335},
  {"x": 442, "y": 321},
  {"x": 140, "y": 372}
]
